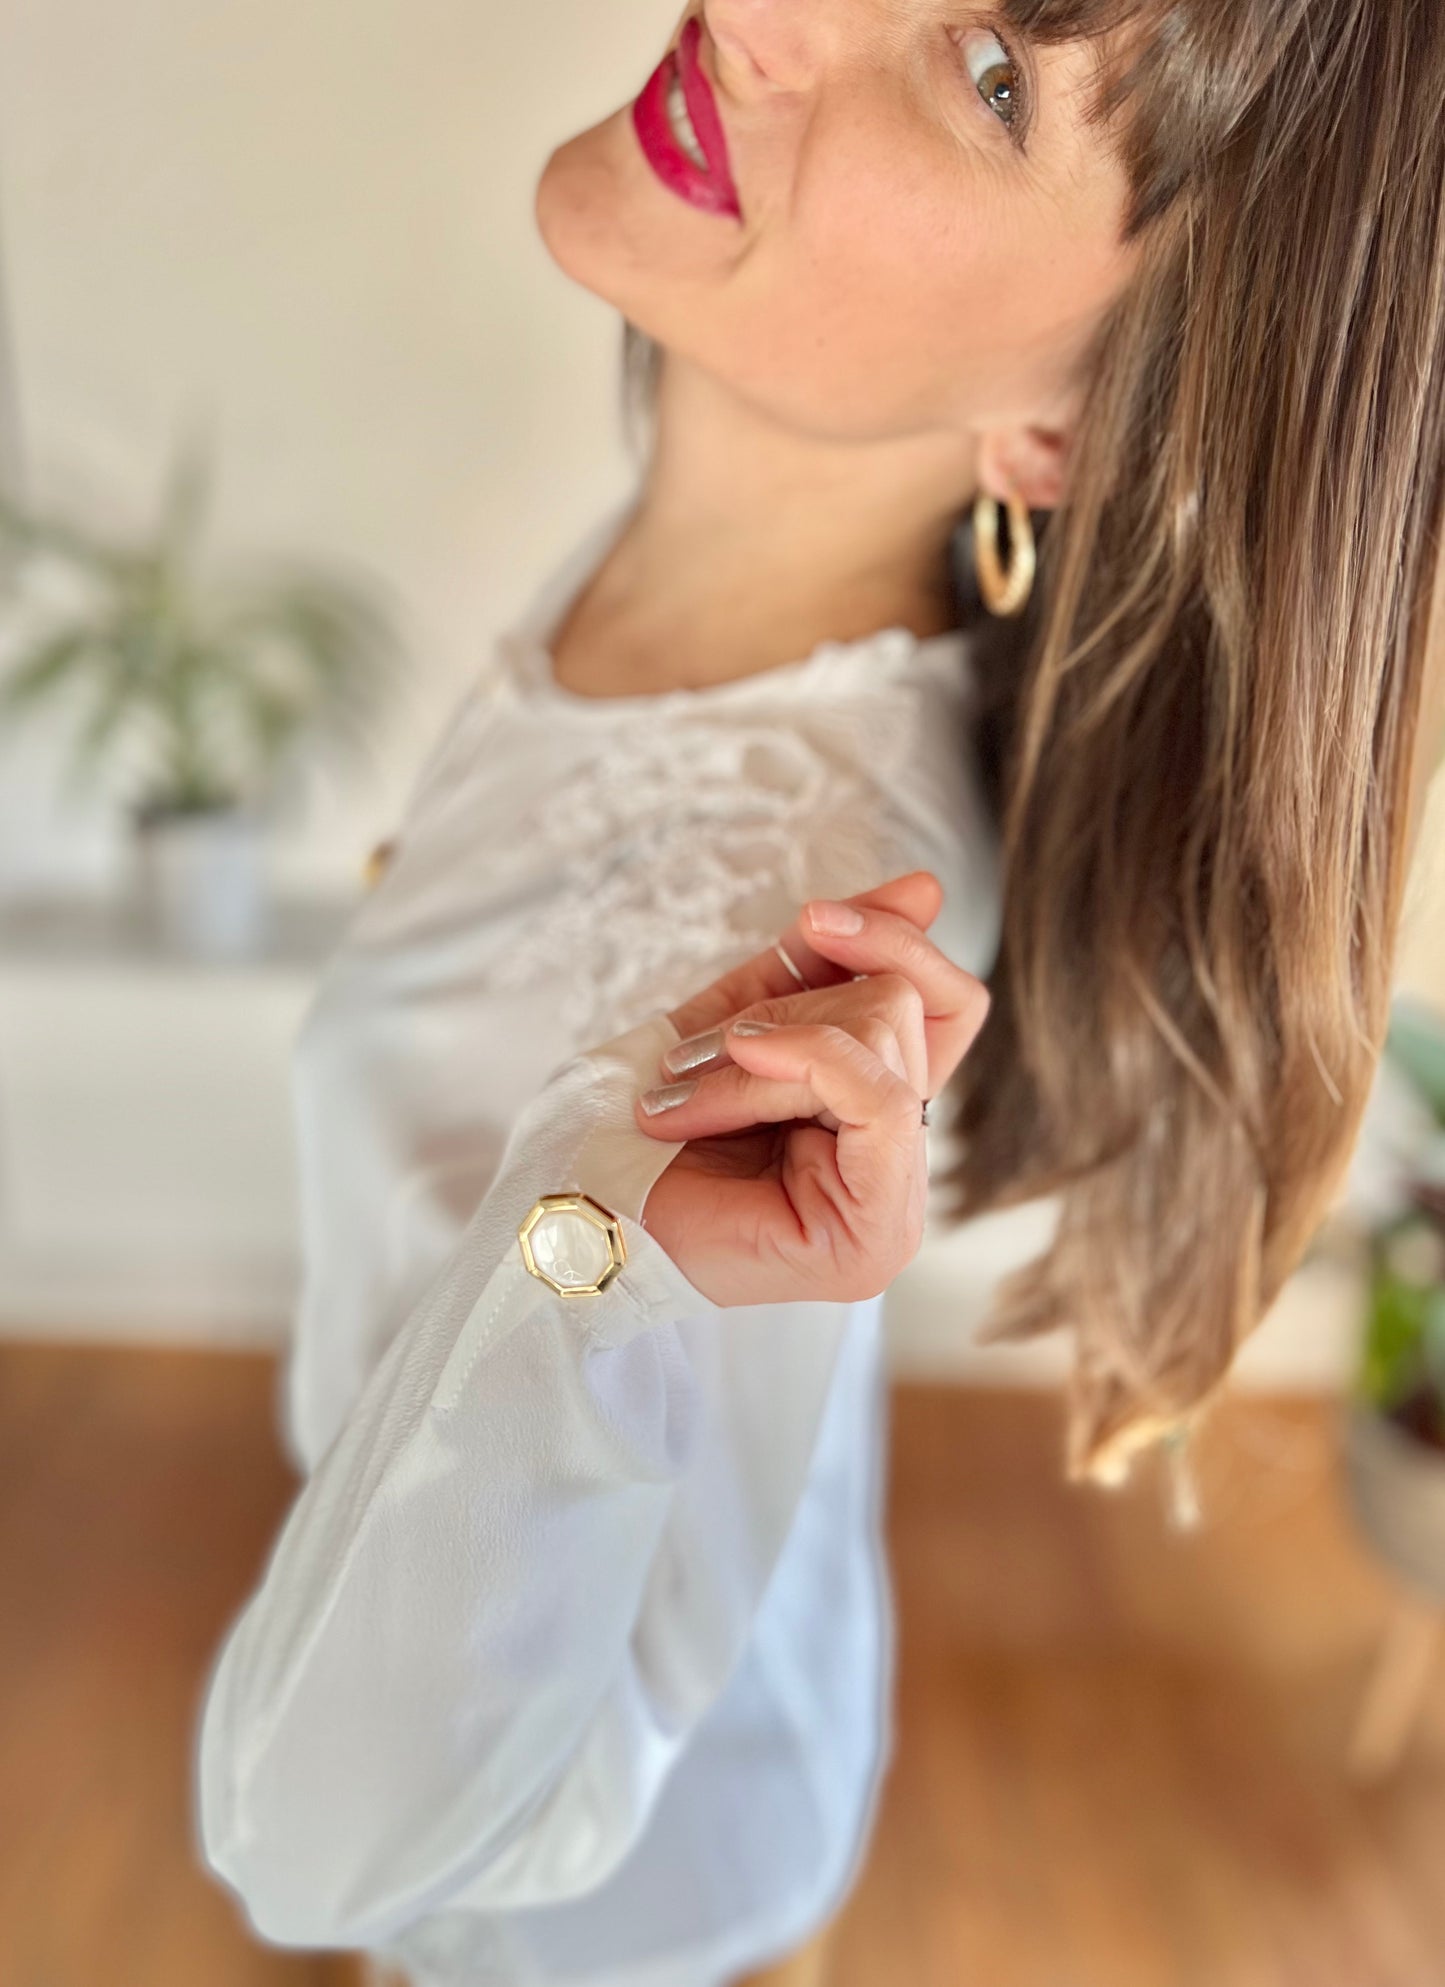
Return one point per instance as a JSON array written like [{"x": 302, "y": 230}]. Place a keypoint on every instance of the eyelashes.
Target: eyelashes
[{"x": 999, "y": 77}]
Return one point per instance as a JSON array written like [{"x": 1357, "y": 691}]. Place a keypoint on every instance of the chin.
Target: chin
[
  {"x": 609, "y": 227},
  {"x": 574, "y": 205},
  {"x": 597, "y": 216}
]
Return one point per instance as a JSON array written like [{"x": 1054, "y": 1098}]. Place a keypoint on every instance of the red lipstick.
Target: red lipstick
[{"x": 710, "y": 188}]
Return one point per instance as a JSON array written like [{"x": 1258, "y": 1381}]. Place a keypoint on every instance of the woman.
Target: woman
[{"x": 571, "y": 1662}]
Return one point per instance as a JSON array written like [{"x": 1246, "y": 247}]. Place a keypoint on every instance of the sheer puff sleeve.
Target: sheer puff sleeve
[{"x": 485, "y": 1628}]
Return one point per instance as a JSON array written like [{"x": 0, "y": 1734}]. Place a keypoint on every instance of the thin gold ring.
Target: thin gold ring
[{"x": 777, "y": 947}]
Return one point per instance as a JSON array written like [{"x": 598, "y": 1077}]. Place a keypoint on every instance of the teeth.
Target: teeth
[{"x": 682, "y": 124}]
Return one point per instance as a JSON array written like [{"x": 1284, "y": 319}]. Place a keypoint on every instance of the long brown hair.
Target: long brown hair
[{"x": 1206, "y": 736}]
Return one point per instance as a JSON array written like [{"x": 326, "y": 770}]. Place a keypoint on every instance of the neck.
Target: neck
[{"x": 750, "y": 544}]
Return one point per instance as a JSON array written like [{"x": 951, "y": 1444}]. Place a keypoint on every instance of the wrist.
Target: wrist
[{"x": 670, "y": 1217}]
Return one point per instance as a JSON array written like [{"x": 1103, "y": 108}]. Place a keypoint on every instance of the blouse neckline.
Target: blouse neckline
[{"x": 525, "y": 649}]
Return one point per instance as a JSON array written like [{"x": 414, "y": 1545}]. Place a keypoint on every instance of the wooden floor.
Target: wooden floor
[{"x": 1119, "y": 1759}]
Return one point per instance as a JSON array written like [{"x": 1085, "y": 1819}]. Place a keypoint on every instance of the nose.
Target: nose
[{"x": 771, "y": 42}]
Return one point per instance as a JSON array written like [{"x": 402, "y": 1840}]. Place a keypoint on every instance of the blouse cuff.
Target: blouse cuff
[{"x": 615, "y": 1165}]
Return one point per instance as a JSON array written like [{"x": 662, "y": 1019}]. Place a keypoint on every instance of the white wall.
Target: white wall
[{"x": 312, "y": 224}]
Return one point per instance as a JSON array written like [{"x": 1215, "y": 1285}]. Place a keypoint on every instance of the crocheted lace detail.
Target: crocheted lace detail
[{"x": 672, "y": 855}]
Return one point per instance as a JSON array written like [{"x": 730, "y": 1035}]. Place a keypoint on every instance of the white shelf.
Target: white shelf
[
  {"x": 147, "y": 1162},
  {"x": 43, "y": 931}
]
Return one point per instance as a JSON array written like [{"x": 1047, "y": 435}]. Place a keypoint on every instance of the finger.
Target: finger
[
  {"x": 844, "y": 1207},
  {"x": 727, "y": 1100},
  {"x": 732, "y": 1098},
  {"x": 955, "y": 1002},
  {"x": 885, "y": 1232},
  {"x": 832, "y": 1216},
  {"x": 867, "y": 1004},
  {"x": 880, "y": 1138},
  {"x": 918, "y": 895}
]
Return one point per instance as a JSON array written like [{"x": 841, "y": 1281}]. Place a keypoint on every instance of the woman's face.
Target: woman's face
[{"x": 928, "y": 229}]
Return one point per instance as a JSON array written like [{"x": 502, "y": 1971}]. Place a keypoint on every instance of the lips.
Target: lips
[{"x": 712, "y": 188}]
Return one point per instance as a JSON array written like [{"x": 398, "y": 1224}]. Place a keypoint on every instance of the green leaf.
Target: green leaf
[
  {"x": 28, "y": 535},
  {"x": 1432, "y": 1336},
  {"x": 113, "y": 706},
  {"x": 56, "y": 660},
  {"x": 1393, "y": 1350},
  {"x": 187, "y": 499},
  {"x": 218, "y": 682},
  {"x": 1416, "y": 1044}
]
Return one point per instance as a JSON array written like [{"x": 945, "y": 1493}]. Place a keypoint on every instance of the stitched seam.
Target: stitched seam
[{"x": 486, "y": 1337}]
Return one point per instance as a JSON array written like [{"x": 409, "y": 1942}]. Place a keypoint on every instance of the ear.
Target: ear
[{"x": 1030, "y": 461}]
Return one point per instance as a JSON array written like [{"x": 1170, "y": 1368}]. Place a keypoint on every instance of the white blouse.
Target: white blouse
[{"x": 572, "y": 1659}]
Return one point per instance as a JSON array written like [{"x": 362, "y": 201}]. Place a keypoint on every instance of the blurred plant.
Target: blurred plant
[
  {"x": 217, "y": 680},
  {"x": 1402, "y": 1372}
]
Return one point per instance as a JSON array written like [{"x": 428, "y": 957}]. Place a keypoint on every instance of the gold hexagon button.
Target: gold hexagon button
[{"x": 573, "y": 1244}]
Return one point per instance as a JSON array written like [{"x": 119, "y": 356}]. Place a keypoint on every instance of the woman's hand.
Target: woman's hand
[{"x": 805, "y": 1172}]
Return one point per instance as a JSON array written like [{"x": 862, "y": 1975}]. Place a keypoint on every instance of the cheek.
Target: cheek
[
  {"x": 870, "y": 302},
  {"x": 911, "y": 292}
]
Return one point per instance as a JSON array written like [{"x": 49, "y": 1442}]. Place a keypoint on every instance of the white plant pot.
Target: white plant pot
[{"x": 201, "y": 882}]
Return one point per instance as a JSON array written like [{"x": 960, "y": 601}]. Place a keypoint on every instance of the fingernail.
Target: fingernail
[
  {"x": 693, "y": 1049},
  {"x": 840, "y": 919},
  {"x": 752, "y": 1027},
  {"x": 667, "y": 1096}
]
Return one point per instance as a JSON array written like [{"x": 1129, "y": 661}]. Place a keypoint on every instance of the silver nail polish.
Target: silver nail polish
[
  {"x": 667, "y": 1096},
  {"x": 692, "y": 1050},
  {"x": 753, "y": 1027}
]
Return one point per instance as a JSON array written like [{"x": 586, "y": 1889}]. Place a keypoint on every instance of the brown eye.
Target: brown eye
[{"x": 995, "y": 73}]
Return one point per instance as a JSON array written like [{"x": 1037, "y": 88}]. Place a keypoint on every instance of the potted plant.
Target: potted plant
[
  {"x": 1394, "y": 1428},
  {"x": 209, "y": 684},
  {"x": 1396, "y": 1443}
]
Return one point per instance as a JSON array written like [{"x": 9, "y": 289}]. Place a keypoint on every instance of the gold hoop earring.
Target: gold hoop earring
[{"x": 1003, "y": 592}]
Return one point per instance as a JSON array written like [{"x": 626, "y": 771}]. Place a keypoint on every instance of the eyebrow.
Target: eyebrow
[{"x": 1104, "y": 28}]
